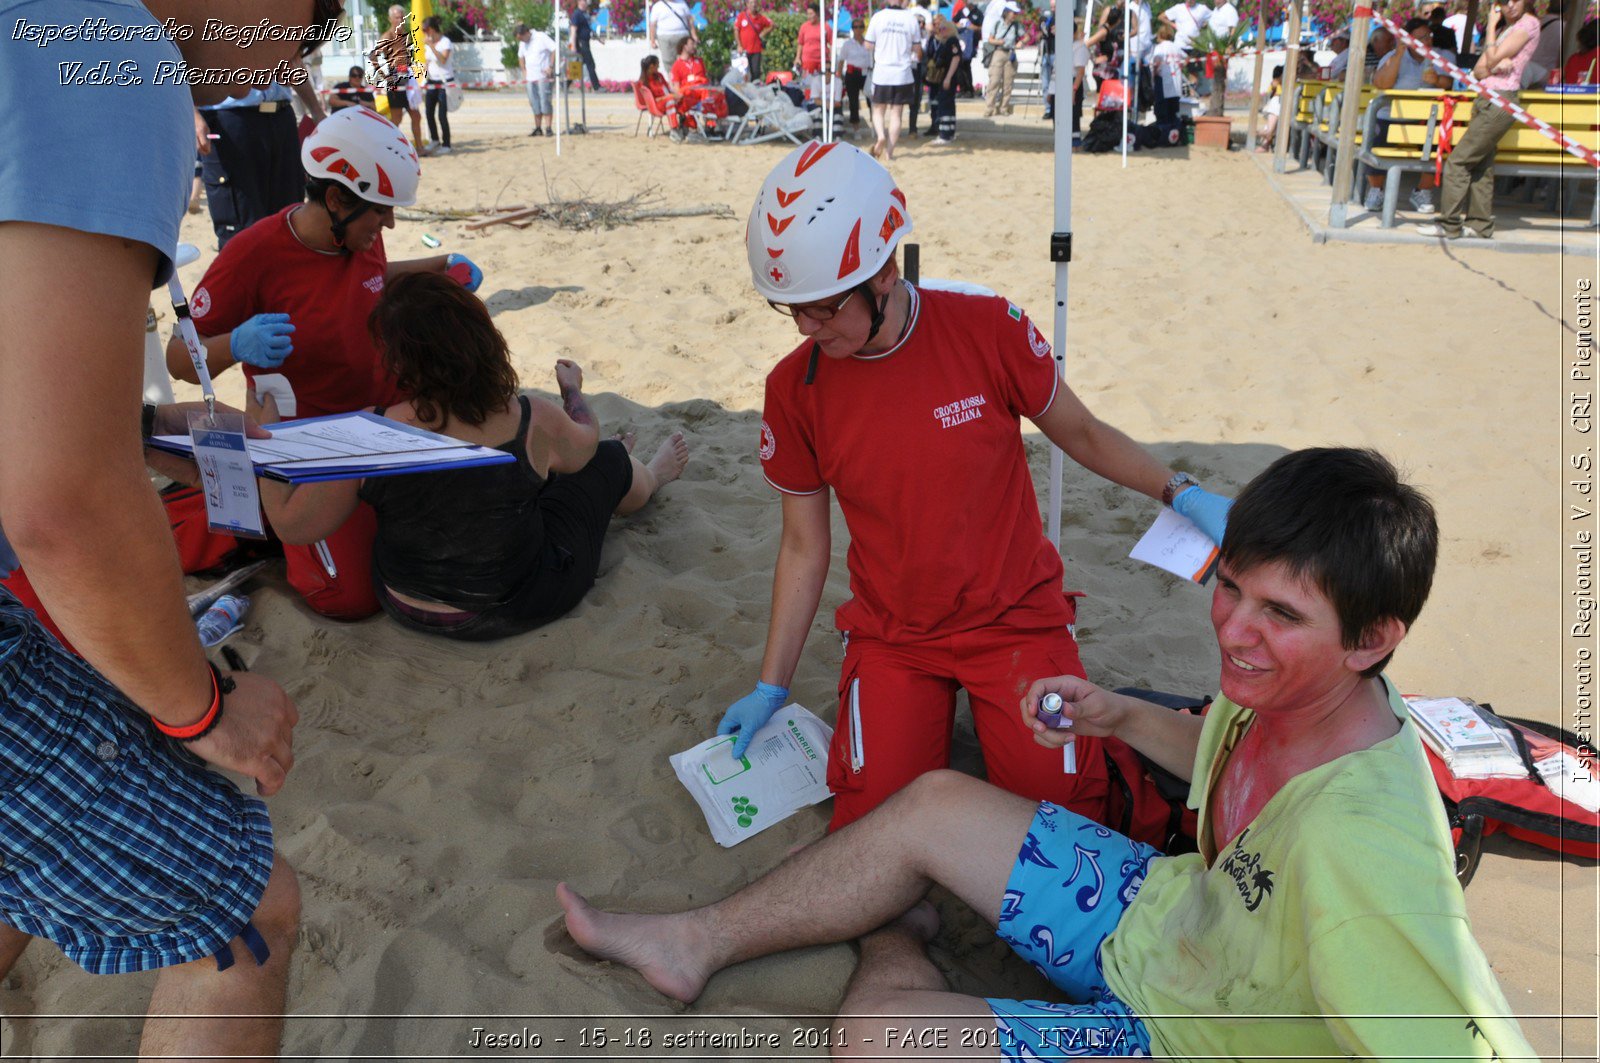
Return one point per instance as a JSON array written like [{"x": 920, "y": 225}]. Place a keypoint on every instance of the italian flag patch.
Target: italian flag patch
[{"x": 1014, "y": 311}]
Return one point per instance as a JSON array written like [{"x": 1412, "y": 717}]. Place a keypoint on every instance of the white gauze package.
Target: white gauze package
[{"x": 784, "y": 770}]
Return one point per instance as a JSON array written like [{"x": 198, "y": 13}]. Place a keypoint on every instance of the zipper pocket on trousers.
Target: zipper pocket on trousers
[{"x": 858, "y": 750}]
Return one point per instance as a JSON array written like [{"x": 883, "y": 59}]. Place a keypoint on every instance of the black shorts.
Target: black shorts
[
  {"x": 576, "y": 508},
  {"x": 397, "y": 100},
  {"x": 894, "y": 95}
]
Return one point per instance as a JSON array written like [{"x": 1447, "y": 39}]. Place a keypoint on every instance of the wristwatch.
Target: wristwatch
[
  {"x": 1177, "y": 483},
  {"x": 147, "y": 421}
]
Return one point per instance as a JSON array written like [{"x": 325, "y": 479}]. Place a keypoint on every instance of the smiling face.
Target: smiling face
[
  {"x": 1282, "y": 648},
  {"x": 848, "y": 330},
  {"x": 362, "y": 232}
]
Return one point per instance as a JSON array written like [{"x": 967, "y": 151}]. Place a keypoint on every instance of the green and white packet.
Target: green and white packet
[{"x": 784, "y": 770}]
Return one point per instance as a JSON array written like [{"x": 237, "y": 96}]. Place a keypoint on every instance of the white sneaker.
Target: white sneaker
[
  {"x": 940, "y": 142},
  {"x": 1422, "y": 201},
  {"x": 1374, "y": 200},
  {"x": 442, "y": 149},
  {"x": 1467, "y": 232}
]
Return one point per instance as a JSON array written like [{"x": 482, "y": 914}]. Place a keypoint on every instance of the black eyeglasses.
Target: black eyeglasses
[{"x": 823, "y": 312}]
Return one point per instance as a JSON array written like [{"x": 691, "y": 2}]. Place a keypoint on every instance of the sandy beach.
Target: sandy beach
[{"x": 441, "y": 789}]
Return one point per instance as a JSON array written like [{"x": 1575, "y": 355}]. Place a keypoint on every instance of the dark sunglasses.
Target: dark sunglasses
[{"x": 815, "y": 312}]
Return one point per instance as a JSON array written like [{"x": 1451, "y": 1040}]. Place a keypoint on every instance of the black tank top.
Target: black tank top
[{"x": 468, "y": 537}]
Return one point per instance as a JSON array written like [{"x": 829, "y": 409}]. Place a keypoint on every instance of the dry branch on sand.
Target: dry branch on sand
[{"x": 584, "y": 213}]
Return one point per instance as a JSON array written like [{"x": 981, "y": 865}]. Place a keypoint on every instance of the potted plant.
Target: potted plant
[{"x": 1212, "y": 129}]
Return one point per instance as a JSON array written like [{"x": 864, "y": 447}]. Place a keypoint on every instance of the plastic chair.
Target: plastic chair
[{"x": 648, "y": 104}]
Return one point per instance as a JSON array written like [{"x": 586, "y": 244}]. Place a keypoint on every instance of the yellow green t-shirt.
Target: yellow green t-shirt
[{"x": 1330, "y": 926}]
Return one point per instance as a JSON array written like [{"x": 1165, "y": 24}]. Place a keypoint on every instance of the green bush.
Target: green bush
[
  {"x": 716, "y": 48},
  {"x": 781, "y": 42}
]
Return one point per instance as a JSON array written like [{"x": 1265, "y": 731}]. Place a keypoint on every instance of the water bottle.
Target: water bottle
[{"x": 225, "y": 616}]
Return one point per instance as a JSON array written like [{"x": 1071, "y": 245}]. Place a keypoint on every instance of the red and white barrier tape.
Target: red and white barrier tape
[{"x": 1510, "y": 106}]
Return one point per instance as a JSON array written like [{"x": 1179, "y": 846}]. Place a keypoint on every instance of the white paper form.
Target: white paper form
[
  {"x": 357, "y": 442},
  {"x": 1176, "y": 545}
]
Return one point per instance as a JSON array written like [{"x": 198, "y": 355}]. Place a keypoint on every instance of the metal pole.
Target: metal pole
[
  {"x": 1127, "y": 95},
  {"x": 1289, "y": 94},
  {"x": 1255, "y": 88},
  {"x": 1344, "y": 167},
  {"x": 1060, "y": 256},
  {"x": 561, "y": 75}
]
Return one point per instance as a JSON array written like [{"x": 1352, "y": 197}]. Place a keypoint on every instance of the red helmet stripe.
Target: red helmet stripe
[
  {"x": 777, "y": 226},
  {"x": 384, "y": 187},
  {"x": 785, "y": 198},
  {"x": 322, "y": 153},
  {"x": 891, "y": 222},
  {"x": 901, "y": 196},
  {"x": 811, "y": 155},
  {"x": 850, "y": 261},
  {"x": 774, "y": 252}
]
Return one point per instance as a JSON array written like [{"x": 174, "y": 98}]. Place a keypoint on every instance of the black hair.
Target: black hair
[
  {"x": 1342, "y": 520},
  {"x": 432, "y": 22},
  {"x": 1589, "y": 35},
  {"x": 1414, "y": 23},
  {"x": 1277, "y": 72},
  {"x": 356, "y": 72}
]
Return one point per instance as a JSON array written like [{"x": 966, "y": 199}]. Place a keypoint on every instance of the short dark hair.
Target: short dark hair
[
  {"x": 1343, "y": 520},
  {"x": 356, "y": 72},
  {"x": 442, "y": 348},
  {"x": 433, "y": 23},
  {"x": 1415, "y": 23},
  {"x": 1589, "y": 35}
]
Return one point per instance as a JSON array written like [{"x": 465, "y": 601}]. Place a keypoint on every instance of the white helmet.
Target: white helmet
[
  {"x": 362, "y": 150},
  {"x": 826, "y": 219}
]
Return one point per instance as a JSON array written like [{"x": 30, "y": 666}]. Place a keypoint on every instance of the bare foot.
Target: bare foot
[
  {"x": 671, "y": 457},
  {"x": 657, "y": 946},
  {"x": 627, "y": 439},
  {"x": 877, "y": 149}
]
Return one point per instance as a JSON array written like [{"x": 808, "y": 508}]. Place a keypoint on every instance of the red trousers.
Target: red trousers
[{"x": 897, "y": 710}]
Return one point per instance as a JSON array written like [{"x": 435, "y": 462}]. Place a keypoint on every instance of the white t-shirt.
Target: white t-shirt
[
  {"x": 1188, "y": 20},
  {"x": 892, "y": 33},
  {"x": 670, "y": 18},
  {"x": 1224, "y": 19},
  {"x": 438, "y": 56},
  {"x": 1458, "y": 22},
  {"x": 1080, "y": 55},
  {"x": 1166, "y": 59},
  {"x": 991, "y": 18},
  {"x": 1340, "y": 64},
  {"x": 1144, "y": 29},
  {"x": 538, "y": 54},
  {"x": 853, "y": 53}
]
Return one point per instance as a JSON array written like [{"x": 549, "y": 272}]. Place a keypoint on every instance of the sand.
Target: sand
[{"x": 442, "y": 790}]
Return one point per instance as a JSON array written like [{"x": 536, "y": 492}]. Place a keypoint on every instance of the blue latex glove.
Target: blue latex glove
[
  {"x": 1208, "y": 511},
  {"x": 750, "y": 713},
  {"x": 263, "y": 341},
  {"x": 474, "y": 274}
]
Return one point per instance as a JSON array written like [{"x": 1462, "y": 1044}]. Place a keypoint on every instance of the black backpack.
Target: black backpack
[{"x": 1104, "y": 133}]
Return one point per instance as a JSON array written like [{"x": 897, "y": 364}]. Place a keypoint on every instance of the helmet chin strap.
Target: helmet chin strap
[
  {"x": 339, "y": 224},
  {"x": 879, "y": 307}
]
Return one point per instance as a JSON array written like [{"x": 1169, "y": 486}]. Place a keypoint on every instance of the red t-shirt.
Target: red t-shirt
[
  {"x": 749, "y": 29},
  {"x": 689, "y": 72},
  {"x": 1580, "y": 69},
  {"x": 335, "y": 368},
  {"x": 809, "y": 41},
  {"x": 923, "y": 446}
]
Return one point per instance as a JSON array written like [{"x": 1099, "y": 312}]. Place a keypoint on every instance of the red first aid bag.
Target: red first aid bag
[{"x": 1528, "y": 808}]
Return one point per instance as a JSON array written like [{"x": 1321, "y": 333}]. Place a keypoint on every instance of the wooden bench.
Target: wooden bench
[{"x": 1416, "y": 129}]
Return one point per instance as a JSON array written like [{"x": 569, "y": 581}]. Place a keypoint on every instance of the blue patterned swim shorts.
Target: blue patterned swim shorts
[
  {"x": 115, "y": 843},
  {"x": 1072, "y": 881}
]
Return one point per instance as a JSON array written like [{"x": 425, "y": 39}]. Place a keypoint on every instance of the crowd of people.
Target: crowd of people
[{"x": 1306, "y": 767}]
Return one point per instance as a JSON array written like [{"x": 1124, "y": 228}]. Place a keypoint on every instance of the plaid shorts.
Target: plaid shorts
[{"x": 115, "y": 843}]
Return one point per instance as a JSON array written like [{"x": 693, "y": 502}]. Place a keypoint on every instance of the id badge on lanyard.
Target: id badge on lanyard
[{"x": 233, "y": 503}]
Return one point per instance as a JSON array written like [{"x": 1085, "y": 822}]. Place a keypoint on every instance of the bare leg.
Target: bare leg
[
  {"x": 893, "y": 120},
  {"x": 244, "y": 1004},
  {"x": 945, "y": 827},
  {"x": 878, "y": 112},
  {"x": 894, "y": 981},
  {"x": 665, "y": 467},
  {"x": 12, "y": 942},
  {"x": 416, "y": 128}
]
